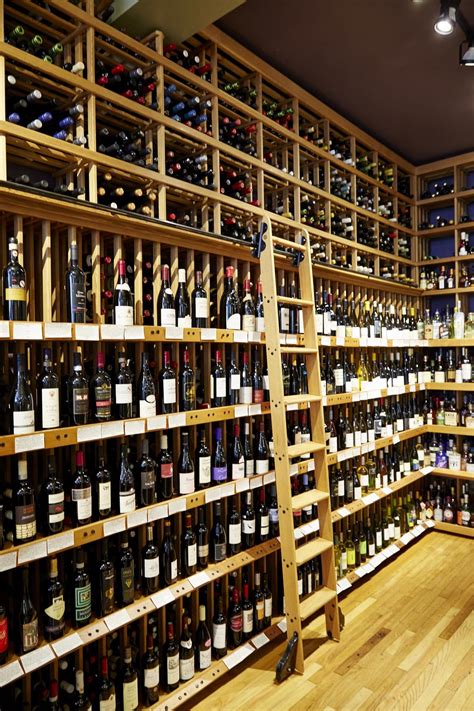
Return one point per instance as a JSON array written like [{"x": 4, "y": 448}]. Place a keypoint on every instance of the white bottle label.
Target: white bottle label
[
  {"x": 83, "y": 499},
  {"x": 130, "y": 695},
  {"x": 53, "y": 500},
  {"x": 50, "y": 407},
  {"x": 168, "y": 317},
  {"x": 174, "y": 569},
  {"x": 184, "y": 321},
  {"x": 151, "y": 568},
  {"x": 340, "y": 488},
  {"x": 204, "y": 658},
  {"x": 23, "y": 422},
  {"x": 204, "y": 470},
  {"x": 261, "y": 466},
  {"x": 127, "y": 502},
  {"x": 332, "y": 445},
  {"x": 247, "y": 621},
  {"x": 218, "y": 636},
  {"x": 248, "y": 323},
  {"x": 268, "y": 607},
  {"x": 105, "y": 496},
  {"x": 260, "y": 324},
  {"x": 123, "y": 393},
  {"x": 284, "y": 319},
  {"x": 151, "y": 677},
  {"x": 124, "y": 315},
  {"x": 264, "y": 525},
  {"x": 235, "y": 381},
  {"x": 192, "y": 554},
  {"x": 201, "y": 307},
  {"x": 172, "y": 666},
  {"x": 238, "y": 470},
  {"x": 169, "y": 391},
  {"x": 466, "y": 370},
  {"x": 186, "y": 668},
  {"x": 147, "y": 408},
  {"x": 234, "y": 322},
  {"x": 186, "y": 482},
  {"x": 108, "y": 704},
  {"x": 234, "y": 533},
  {"x": 245, "y": 395},
  {"x": 248, "y": 526},
  {"x": 221, "y": 390}
]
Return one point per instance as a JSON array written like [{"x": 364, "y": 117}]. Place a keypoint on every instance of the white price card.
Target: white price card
[
  {"x": 112, "y": 429},
  {"x": 162, "y": 598},
  {"x": 426, "y": 470},
  {"x": 137, "y": 518},
  {"x": 370, "y": 499},
  {"x": 360, "y": 572},
  {"x": 393, "y": 549},
  {"x": 208, "y": 334},
  {"x": 116, "y": 525},
  {"x": 57, "y": 330},
  {"x": 387, "y": 490},
  {"x": 66, "y": 644},
  {"x": 325, "y": 340},
  {"x": 396, "y": 438},
  {"x": 10, "y": 672},
  {"x": 242, "y": 485},
  {"x": 155, "y": 513},
  {"x": 7, "y": 561},
  {"x": 89, "y": 433},
  {"x": 28, "y": 443},
  {"x": 117, "y": 619},
  {"x": 134, "y": 427},
  {"x": 177, "y": 420},
  {"x": 314, "y": 526},
  {"x": 241, "y": 337},
  {"x": 343, "y": 584},
  {"x": 231, "y": 660},
  {"x": 298, "y": 534},
  {"x": 260, "y": 640},
  {"x": 86, "y": 332},
  {"x": 111, "y": 332},
  {"x": 290, "y": 408},
  {"x": 4, "y": 329},
  {"x": 311, "y": 465},
  {"x": 27, "y": 330},
  {"x": 60, "y": 542},
  {"x": 177, "y": 505},
  {"x": 282, "y": 625},
  {"x": 156, "y": 423},
  {"x": 134, "y": 333},
  {"x": 255, "y": 336},
  {"x": 37, "y": 658},
  {"x": 256, "y": 482},
  {"x": 418, "y": 530},
  {"x": 199, "y": 579},
  {"x": 227, "y": 489},
  {"x": 343, "y": 511},
  {"x": 293, "y": 469},
  {"x": 406, "y": 538},
  {"x": 430, "y": 523},
  {"x": 241, "y": 411},
  {"x": 255, "y": 409},
  {"x": 174, "y": 333},
  {"x": 269, "y": 478},
  {"x": 213, "y": 494},
  {"x": 33, "y": 551},
  {"x": 368, "y": 568}
]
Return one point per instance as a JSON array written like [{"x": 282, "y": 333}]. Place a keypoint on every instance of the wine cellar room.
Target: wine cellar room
[{"x": 236, "y": 355}]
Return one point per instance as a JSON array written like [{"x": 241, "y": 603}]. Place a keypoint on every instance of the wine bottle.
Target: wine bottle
[
  {"x": 268, "y": 602},
  {"x": 202, "y": 536},
  {"x": 165, "y": 305},
  {"x": 76, "y": 289},
  {"x": 218, "y": 383},
  {"x": 235, "y": 530},
  {"x": 24, "y": 506},
  {"x": 21, "y": 402},
  {"x": 183, "y": 307},
  {"x": 218, "y": 536},
  {"x": 53, "y": 704},
  {"x": 189, "y": 548},
  {"x": 237, "y": 456},
  {"x": 259, "y": 318},
  {"x": 167, "y": 382},
  {"x": 203, "y": 642},
  {"x": 81, "y": 702},
  {"x": 248, "y": 522},
  {"x": 219, "y": 462},
  {"x": 47, "y": 388},
  {"x": 262, "y": 452},
  {"x": 103, "y": 490},
  {"x": 235, "y": 621},
  {"x": 123, "y": 389},
  {"x": 247, "y": 614},
  {"x": 248, "y": 452},
  {"x": 82, "y": 597},
  {"x": 151, "y": 563},
  {"x": 55, "y": 606},
  {"x": 151, "y": 674},
  {"x": 107, "y": 700},
  {"x": 202, "y": 462},
  {"x": 273, "y": 513},
  {"x": 28, "y": 636},
  {"x": 126, "y": 569},
  {"x": 245, "y": 396},
  {"x": 186, "y": 653},
  {"x": 123, "y": 299},
  {"x": 101, "y": 392},
  {"x": 258, "y": 606},
  {"x": 262, "y": 519},
  {"x": 169, "y": 560},
  {"x": 81, "y": 493},
  {"x": 127, "y": 496},
  {"x": 165, "y": 464},
  {"x": 248, "y": 309},
  {"x": 187, "y": 394},
  {"x": 146, "y": 390},
  {"x": 185, "y": 467},
  {"x": 171, "y": 655},
  {"x": 78, "y": 393},
  {"x": 233, "y": 384},
  {"x": 14, "y": 286},
  {"x": 52, "y": 500},
  {"x": 129, "y": 682},
  {"x": 200, "y": 307},
  {"x": 146, "y": 472},
  {"x": 219, "y": 642},
  {"x": 230, "y": 303},
  {"x": 106, "y": 582}
]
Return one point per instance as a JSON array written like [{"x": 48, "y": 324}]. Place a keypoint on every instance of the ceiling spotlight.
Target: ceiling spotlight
[
  {"x": 466, "y": 53},
  {"x": 446, "y": 22}
]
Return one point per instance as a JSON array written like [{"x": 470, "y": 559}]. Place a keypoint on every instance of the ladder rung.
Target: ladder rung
[
  {"x": 316, "y": 601},
  {"x": 289, "y": 244},
  {"x": 313, "y": 496},
  {"x": 297, "y": 450},
  {"x": 298, "y": 399},
  {"x": 294, "y": 302},
  {"x": 310, "y": 550},
  {"x": 298, "y": 349}
]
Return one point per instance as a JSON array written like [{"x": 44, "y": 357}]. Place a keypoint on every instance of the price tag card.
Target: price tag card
[
  {"x": 137, "y": 518},
  {"x": 298, "y": 534},
  {"x": 343, "y": 512},
  {"x": 177, "y": 420},
  {"x": 241, "y": 337},
  {"x": 111, "y": 332},
  {"x": 28, "y": 443},
  {"x": 86, "y": 332},
  {"x": 363, "y": 342},
  {"x": 255, "y": 337},
  {"x": 10, "y": 672},
  {"x": 377, "y": 560},
  {"x": 117, "y": 619},
  {"x": 293, "y": 469},
  {"x": 60, "y": 542},
  {"x": 282, "y": 625},
  {"x": 387, "y": 490},
  {"x": 406, "y": 538},
  {"x": 112, "y": 429},
  {"x": 256, "y": 481},
  {"x": 32, "y": 552},
  {"x": 174, "y": 333},
  {"x": 134, "y": 427},
  {"x": 384, "y": 342},
  {"x": 158, "y": 422},
  {"x": 162, "y": 598},
  {"x": 356, "y": 397},
  {"x": 199, "y": 579},
  {"x": 340, "y": 340},
  {"x": 241, "y": 411},
  {"x": 418, "y": 530},
  {"x": 227, "y": 489},
  {"x": 282, "y": 339},
  {"x": 343, "y": 584},
  {"x": 373, "y": 342},
  {"x": 289, "y": 408},
  {"x": 260, "y": 640},
  {"x": 430, "y": 523},
  {"x": 314, "y": 526},
  {"x": 306, "y": 529},
  {"x": 89, "y": 433},
  {"x": 213, "y": 494},
  {"x": 242, "y": 485},
  {"x": 155, "y": 513},
  {"x": 134, "y": 333},
  {"x": 208, "y": 334},
  {"x": 4, "y": 329},
  {"x": 426, "y": 470},
  {"x": 368, "y": 568},
  {"x": 7, "y": 562},
  {"x": 393, "y": 549},
  {"x": 269, "y": 478},
  {"x": 360, "y": 572},
  {"x": 115, "y": 525},
  {"x": 177, "y": 505},
  {"x": 325, "y": 340},
  {"x": 255, "y": 409},
  {"x": 37, "y": 658},
  {"x": 231, "y": 660},
  {"x": 27, "y": 330},
  {"x": 370, "y": 499},
  {"x": 66, "y": 644},
  {"x": 57, "y": 330},
  {"x": 311, "y": 465}
]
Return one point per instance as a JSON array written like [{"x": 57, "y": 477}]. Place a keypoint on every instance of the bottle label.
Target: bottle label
[
  {"x": 218, "y": 635},
  {"x": 262, "y": 466},
  {"x": 339, "y": 376},
  {"x": 273, "y": 515},
  {"x": 172, "y": 669},
  {"x": 174, "y": 569},
  {"x": 247, "y": 621},
  {"x": 219, "y": 551},
  {"x": 332, "y": 445},
  {"x": 249, "y": 467},
  {"x": 238, "y": 470},
  {"x": 130, "y": 695},
  {"x": 371, "y": 550},
  {"x": 466, "y": 370},
  {"x": 364, "y": 480},
  {"x": 234, "y": 534},
  {"x": 103, "y": 402},
  {"x": 127, "y": 502},
  {"x": 221, "y": 389},
  {"x": 200, "y": 305},
  {"x": 151, "y": 567},
  {"x": 248, "y": 525},
  {"x": 236, "y": 622},
  {"x": 15, "y": 293},
  {"x": 23, "y": 422},
  {"x": 257, "y": 395},
  {"x": 108, "y": 704},
  {"x": 80, "y": 401},
  {"x": 55, "y": 611},
  {"x": 245, "y": 395},
  {"x": 264, "y": 525},
  {"x": 82, "y": 603},
  {"x": 123, "y": 393},
  {"x": 204, "y": 470},
  {"x": 169, "y": 391},
  {"x": 284, "y": 319},
  {"x": 151, "y": 677},
  {"x": 184, "y": 321},
  {"x": 203, "y": 551},
  {"x": 191, "y": 552},
  {"x": 340, "y": 487},
  {"x": 219, "y": 473},
  {"x": 25, "y": 522},
  {"x": 124, "y": 315},
  {"x": 29, "y": 633},
  {"x": 107, "y": 591},
  {"x": 205, "y": 658},
  {"x": 351, "y": 556},
  {"x": 147, "y": 408},
  {"x": 50, "y": 407},
  {"x": 168, "y": 317},
  {"x": 127, "y": 579},
  {"x": 83, "y": 499},
  {"x": 166, "y": 471},
  {"x": 319, "y": 323},
  {"x": 234, "y": 322},
  {"x": 186, "y": 482},
  {"x": 268, "y": 603},
  {"x": 186, "y": 668},
  {"x": 260, "y": 324},
  {"x": 300, "y": 586},
  {"x": 235, "y": 381},
  {"x": 349, "y": 440},
  {"x": 378, "y": 539},
  {"x": 3, "y": 635},
  {"x": 148, "y": 481}
]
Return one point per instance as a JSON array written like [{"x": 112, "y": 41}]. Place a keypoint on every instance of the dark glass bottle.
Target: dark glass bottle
[
  {"x": 262, "y": 452},
  {"x": 248, "y": 452},
  {"x": 171, "y": 659},
  {"x": 107, "y": 698},
  {"x": 263, "y": 518},
  {"x": 126, "y": 570},
  {"x": 165, "y": 306},
  {"x": 258, "y": 605},
  {"x": 81, "y": 493},
  {"x": 202, "y": 536},
  {"x": 123, "y": 389},
  {"x": 186, "y": 652},
  {"x": 81, "y": 592},
  {"x": 151, "y": 563},
  {"x": 52, "y": 500},
  {"x": 123, "y": 299},
  {"x": 233, "y": 383},
  {"x": 127, "y": 496},
  {"x": 24, "y": 507},
  {"x": 237, "y": 460},
  {"x": 189, "y": 548},
  {"x": 235, "y": 621},
  {"x": 273, "y": 513},
  {"x": 106, "y": 582},
  {"x": 169, "y": 559},
  {"x": 146, "y": 475},
  {"x": 218, "y": 383},
  {"x": 248, "y": 522},
  {"x": 167, "y": 383},
  {"x": 183, "y": 307},
  {"x": 146, "y": 390},
  {"x": 230, "y": 303},
  {"x": 219, "y": 462},
  {"x": 81, "y": 702},
  {"x": 187, "y": 392},
  {"x": 129, "y": 682},
  {"x": 28, "y": 618},
  {"x": 185, "y": 467},
  {"x": 75, "y": 290},
  {"x": 103, "y": 490},
  {"x": 203, "y": 642},
  {"x": 219, "y": 641},
  {"x": 47, "y": 389},
  {"x": 248, "y": 309},
  {"x": 55, "y": 607},
  {"x": 151, "y": 674},
  {"x": 101, "y": 392},
  {"x": 235, "y": 530},
  {"x": 21, "y": 401},
  {"x": 247, "y": 613},
  {"x": 218, "y": 536},
  {"x": 165, "y": 464},
  {"x": 78, "y": 393},
  {"x": 202, "y": 462},
  {"x": 200, "y": 308},
  {"x": 14, "y": 285},
  {"x": 268, "y": 602}
]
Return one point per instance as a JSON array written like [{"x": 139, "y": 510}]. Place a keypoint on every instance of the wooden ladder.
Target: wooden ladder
[{"x": 323, "y": 546}]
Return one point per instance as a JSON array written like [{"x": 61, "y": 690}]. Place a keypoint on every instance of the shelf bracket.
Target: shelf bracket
[{"x": 286, "y": 663}]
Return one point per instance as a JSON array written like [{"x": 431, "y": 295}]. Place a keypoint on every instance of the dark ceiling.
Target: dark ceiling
[{"x": 377, "y": 62}]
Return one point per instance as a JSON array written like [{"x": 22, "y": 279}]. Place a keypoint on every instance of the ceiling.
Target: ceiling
[{"x": 377, "y": 62}]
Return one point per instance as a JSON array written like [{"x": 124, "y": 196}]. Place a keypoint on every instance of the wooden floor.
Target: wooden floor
[{"x": 408, "y": 644}]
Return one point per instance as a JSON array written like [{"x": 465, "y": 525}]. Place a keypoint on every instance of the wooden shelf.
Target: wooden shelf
[
  {"x": 454, "y": 528},
  {"x": 378, "y": 444},
  {"x": 458, "y": 387},
  {"x": 363, "y": 396},
  {"x": 453, "y": 473},
  {"x": 450, "y": 430}
]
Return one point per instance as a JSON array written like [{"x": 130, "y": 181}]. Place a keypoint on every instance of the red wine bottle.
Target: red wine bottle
[
  {"x": 202, "y": 462},
  {"x": 248, "y": 309},
  {"x": 200, "y": 307},
  {"x": 169, "y": 560},
  {"x": 82, "y": 597},
  {"x": 258, "y": 605},
  {"x": 126, "y": 572},
  {"x": 127, "y": 496},
  {"x": 182, "y": 304},
  {"x": 151, "y": 563},
  {"x": 55, "y": 607},
  {"x": 146, "y": 390},
  {"x": 165, "y": 464},
  {"x": 75, "y": 289},
  {"x": 219, "y": 642},
  {"x": 78, "y": 393},
  {"x": 106, "y": 687},
  {"x": 187, "y": 393},
  {"x": 230, "y": 303},
  {"x": 218, "y": 383},
  {"x": 189, "y": 548},
  {"x": 202, "y": 536},
  {"x": 47, "y": 388},
  {"x": 24, "y": 506},
  {"x": 237, "y": 460},
  {"x": 165, "y": 305},
  {"x": 14, "y": 285},
  {"x": 235, "y": 530},
  {"x": 101, "y": 391},
  {"x": 171, "y": 655},
  {"x": 129, "y": 678},
  {"x": 167, "y": 382},
  {"x": 28, "y": 636},
  {"x": 248, "y": 522},
  {"x": 185, "y": 467},
  {"x": 106, "y": 582},
  {"x": 21, "y": 401},
  {"x": 103, "y": 490},
  {"x": 247, "y": 614},
  {"x": 123, "y": 299},
  {"x": 81, "y": 493},
  {"x": 235, "y": 621},
  {"x": 123, "y": 389},
  {"x": 203, "y": 642},
  {"x": 218, "y": 536},
  {"x": 146, "y": 472},
  {"x": 219, "y": 462},
  {"x": 151, "y": 674},
  {"x": 52, "y": 501},
  {"x": 186, "y": 653}
]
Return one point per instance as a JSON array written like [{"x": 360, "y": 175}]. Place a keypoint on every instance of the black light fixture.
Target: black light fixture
[
  {"x": 466, "y": 52},
  {"x": 450, "y": 15},
  {"x": 446, "y": 21}
]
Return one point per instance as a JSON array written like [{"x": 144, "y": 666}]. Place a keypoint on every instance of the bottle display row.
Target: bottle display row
[{"x": 442, "y": 504}]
